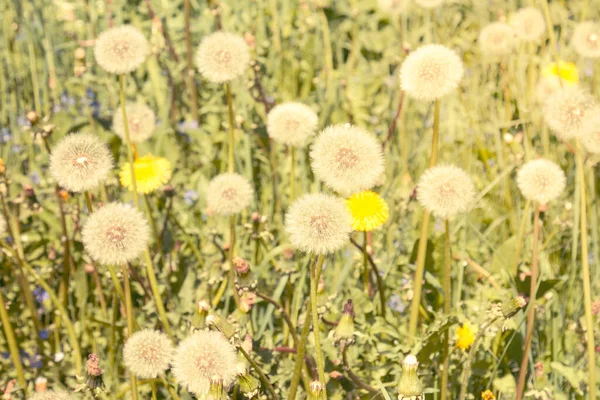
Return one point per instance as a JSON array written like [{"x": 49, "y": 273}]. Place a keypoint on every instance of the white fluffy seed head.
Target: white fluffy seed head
[
  {"x": 292, "y": 124},
  {"x": 52, "y": 395},
  {"x": 429, "y": 3},
  {"x": 222, "y": 56},
  {"x": 541, "y": 180},
  {"x": 446, "y": 191},
  {"x": 121, "y": 50},
  {"x": 497, "y": 39},
  {"x": 229, "y": 194},
  {"x": 431, "y": 72},
  {"x": 318, "y": 223},
  {"x": 115, "y": 234},
  {"x": 142, "y": 122},
  {"x": 203, "y": 356},
  {"x": 347, "y": 159},
  {"x": 80, "y": 162},
  {"x": 590, "y": 131},
  {"x": 566, "y": 109},
  {"x": 586, "y": 39},
  {"x": 147, "y": 353},
  {"x": 529, "y": 24},
  {"x": 394, "y": 7}
]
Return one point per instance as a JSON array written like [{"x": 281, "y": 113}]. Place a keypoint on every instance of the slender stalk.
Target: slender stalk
[
  {"x": 585, "y": 276},
  {"x": 231, "y": 159},
  {"x": 366, "y": 272},
  {"x": 236, "y": 296},
  {"x": 354, "y": 378},
  {"x": 300, "y": 351},
  {"x": 191, "y": 87},
  {"x": 169, "y": 387},
  {"x": 422, "y": 249},
  {"x": 520, "y": 233},
  {"x": 380, "y": 285},
  {"x": 447, "y": 308},
  {"x": 88, "y": 201},
  {"x": 130, "y": 323},
  {"x": 285, "y": 316},
  {"x": 315, "y": 316},
  {"x": 531, "y": 309},
  {"x": 153, "y": 226},
  {"x": 259, "y": 371},
  {"x": 162, "y": 314},
  {"x": 153, "y": 388},
  {"x": 12, "y": 344},
  {"x": 550, "y": 27},
  {"x": 128, "y": 140},
  {"x": 292, "y": 174}
]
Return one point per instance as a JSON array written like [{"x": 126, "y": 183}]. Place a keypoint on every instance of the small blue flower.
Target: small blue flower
[
  {"x": 190, "y": 197},
  {"x": 44, "y": 334},
  {"x": 395, "y": 303},
  {"x": 35, "y": 178},
  {"x": 15, "y": 148},
  {"x": 5, "y": 135},
  {"x": 40, "y": 294}
]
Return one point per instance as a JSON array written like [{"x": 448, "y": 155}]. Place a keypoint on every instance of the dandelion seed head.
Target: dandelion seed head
[
  {"x": 541, "y": 180},
  {"x": 529, "y": 24},
  {"x": 394, "y": 7},
  {"x": 590, "y": 131},
  {"x": 121, "y": 50},
  {"x": 222, "y": 56},
  {"x": 586, "y": 39},
  {"x": 115, "y": 234},
  {"x": 497, "y": 39},
  {"x": 52, "y": 395},
  {"x": 431, "y": 72},
  {"x": 347, "y": 158},
  {"x": 80, "y": 162},
  {"x": 202, "y": 357},
  {"x": 318, "y": 223},
  {"x": 147, "y": 353},
  {"x": 141, "y": 122},
  {"x": 429, "y": 3},
  {"x": 292, "y": 124},
  {"x": 229, "y": 194},
  {"x": 565, "y": 110},
  {"x": 446, "y": 191}
]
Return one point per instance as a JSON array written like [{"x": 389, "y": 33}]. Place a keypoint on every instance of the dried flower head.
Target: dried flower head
[
  {"x": 141, "y": 122},
  {"x": 410, "y": 385},
  {"x": 429, "y": 3},
  {"x": 446, "y": 191},
  {"x": 80, "y": 162},
  {"x": 121, "y": 50},
  {"x": 394, "y": 7},
  {"x": 431, "y": 72},
  {"x": 150, "y": 173},
  {"x": 369, "y": 211},
  {"x": 565, "y": 111},
  {"x": 115, "y": 234},
  {"x": 222, "y": 56},
  {"x": 292, "y": 123},
  {"x": 541, "y": 180},
  {"x": 347, "y": 158},
  {"x": 586, "y": 39},
  {"x": 497, "y": 39},
  {"x": 318, "y": 223},
  {"x": 147, "y": 353},
  {"x": 52, "y": 395},
  {"x": 590, "y": 131},
  {"x": 529, "y": 24},
  {"x": 465, "y": 336},
  {"x": 201, "y": 357},
  {"x": 229, "y": 194}
]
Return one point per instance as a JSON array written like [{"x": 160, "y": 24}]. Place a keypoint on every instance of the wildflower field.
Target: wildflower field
[{"x": 300, "y": 199}]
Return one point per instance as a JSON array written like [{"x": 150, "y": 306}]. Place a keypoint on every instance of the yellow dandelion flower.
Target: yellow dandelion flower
[
  {"x": 465, "y": 336},
  {"x": 369, "y": 211},
  {"x": 567, "y": 71},
  {"x": 150, "y": 173},
  {"x": 488, "y": 395}
]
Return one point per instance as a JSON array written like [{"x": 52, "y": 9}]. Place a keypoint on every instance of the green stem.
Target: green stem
[
  {"x": 366, "y": 272},
  {"x": 531, "y": 309},
  {"x": 162, "y": 314},
  {"x": 550, "y": 27},
  {"x": 230, "y": 254},
  {"x": 231, "y": 159},
  {"x": 519, "y": 244},
  {"x": 191, "y": 87},
  {"x": 585, "y": 276},
  {"x": 259, "y": 371},
  {"x": 169, "y": 387},
  {"x": 128, "y": 140},
  {"x": 153, "y": 227},
  {"x": 300, "y": 350},
  {"x": 292, "y": 174},
  {"x": 315, "y": 316},
  {"x": 88, "y": 201},
  {"x": 447, "y": 309},
  {"x": 130, "y": 323},
  {"x": 12, "y": 344},
  {"x": 422, "y": 249}
]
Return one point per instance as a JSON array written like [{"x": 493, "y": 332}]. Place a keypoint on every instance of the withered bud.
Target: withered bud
[
  {"x": 79, "y": 53},
  {"x": 93, "y": 376},
  {"x": 169, "y": 191},
  {"x": 28, "y": 190},
  {"x": 511, "y": 307},
  {"x": 288, "y": 253},
  {"x": 241, "y": 266},
  {"x": 32, "y": 117},
  {"x": 218, "y": 323},
  {"x": 255, "y": 217}
]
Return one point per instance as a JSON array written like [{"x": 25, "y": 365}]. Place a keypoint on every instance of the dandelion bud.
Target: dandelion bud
[
  {"x": 41, "y": 384},
  {"x": 511, "y": 307},
  {"x": 344, "y": 331},
  {"x": 199, "y": 318},
  {"x": 246, "y": 280},
  {"x": 93, "y": 372},
  {"x": 255, "y": 217},
  {"x": 32, "y": 117},
  {"x": 316, "y": 391},
  {"x": 249, "y": 385},
  {"x": 218, "y": 323},
  {"x": 410, "y": 385},
  {"x": 216, "y": 391}
]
